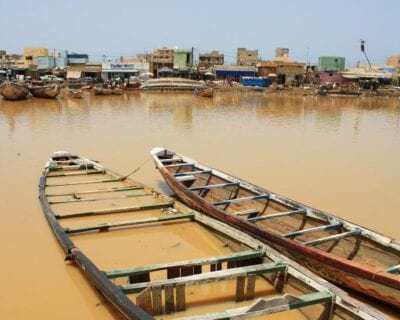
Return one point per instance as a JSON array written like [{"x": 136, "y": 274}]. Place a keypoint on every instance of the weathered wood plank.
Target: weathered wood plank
[
  {"x": 177, "y": 165},
  {"x": 236, "y": 200},
  {"x": 333, "y": 237},
  {"x": 264, "y": 307},
  {"x": 276, "y": 215},
  {"x": 246, "y": 212},
  {"x": 209, "y": 276},
  {"x": 251, "y": 286},
  {"x": 104, "y": 190},
  {"x": 180, "y": 297},
  {"x": 215, "y": 186},
  {"x": 102, "y": 199},
  {"x": 310, "y": 230},
  {"x": 85, "y": 182},
  {"x": 143, "y": 301},
  {"x": 238, "y": 256},
  {"x": 169, "y": 298},
  {"x": 66, "y": 174},
  {"x": 170, "y": 160},
  {"x": 240, "y": 283},
  {"x": 156, "y": 293},
  {"x": 106, "y": 226},
  {"x": 115, "y": 210},
  {"x": 180, "y": 174}
]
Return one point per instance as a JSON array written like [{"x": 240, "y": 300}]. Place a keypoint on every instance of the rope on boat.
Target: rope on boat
[{"x": 137, "y": 169}]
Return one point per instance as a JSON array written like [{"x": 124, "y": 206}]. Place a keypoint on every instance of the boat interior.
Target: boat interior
[
  {"x": 285, "y": 218},
  {"x": 173, "y": 262}
]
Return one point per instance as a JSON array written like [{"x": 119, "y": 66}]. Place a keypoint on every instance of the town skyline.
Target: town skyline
[{"x": 125, "y": 28}]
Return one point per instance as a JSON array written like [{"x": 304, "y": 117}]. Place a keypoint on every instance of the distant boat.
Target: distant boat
[
  {"x": 75, "y": 93},
  {"x": 47, "y": 92},
  {"x": 13, "y": 91},
  {"x": 207, "y": 92},
  {"x": 173, "y": 84}
]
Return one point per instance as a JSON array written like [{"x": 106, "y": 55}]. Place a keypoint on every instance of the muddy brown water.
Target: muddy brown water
[{"x": 337, "y": 154}]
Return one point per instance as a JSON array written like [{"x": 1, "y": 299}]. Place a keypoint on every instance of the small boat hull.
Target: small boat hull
[
  {"x": 45, "y": 92},
  {"x": 13, "y": 91}
]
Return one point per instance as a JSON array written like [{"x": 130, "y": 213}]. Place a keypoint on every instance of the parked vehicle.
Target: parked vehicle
[{"x": 52, "y": 78}]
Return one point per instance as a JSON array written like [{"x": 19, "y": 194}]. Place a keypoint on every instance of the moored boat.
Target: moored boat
[
  {"x": 338, "y": 250},
  {"x": 46, "y": 91},
  {"x": 207, "y": 92},
  {"x": 13, "y": 91},
  {"x": 230, "y": 274},
  {"x": 172, "y": 84}
]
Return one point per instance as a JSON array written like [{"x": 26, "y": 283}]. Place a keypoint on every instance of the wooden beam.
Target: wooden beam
[
  {"x": 310, "y": 230},
  {"x": 251, "y": 286},
  {"x": 116, "y": 210},
  {"x": 85, "y": 182},
  {"x": 156, "y": 294},
  {"x": 239, "y": 256},
  {"x": 170, "y": 160},
  {"x": 333, "y": 237},
  {"x": 240, "y": 283},
  {"x": 103, "y": 190},
  {"x": 246, "y": 212},
  {"x": 180, "y": 174},
  {"x": 183, "y": 164},
  {"x": 236, "y": 200},
  {"x": 209, "y": 276},
  {"x": 84, "y": 173},
  {"x": 394, "y": 269},
  {"x": 101, "y": 199},
  {"x": 214, "y": 186},
  {"x": 106, "y": 226},
  {"x": 277, "y": 215},
  {"x": 143, "y": 301},
  {"x": 264, "y": 307}
]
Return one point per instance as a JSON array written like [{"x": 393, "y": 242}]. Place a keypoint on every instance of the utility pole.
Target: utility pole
[{"x": 363, "y": 51}]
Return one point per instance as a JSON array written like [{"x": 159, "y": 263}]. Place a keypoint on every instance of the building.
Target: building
[
  {"x": 246, "y": 57},
  {"x": 328, "y": 63},
  {"x": 110, "y": 70},
  {"x": 285, "y": 70},
  {"x": 77, "y": 58},
  {"x": 44, "y": 62},
  {"x": 234, "y": 73},
  {"x": 161, "y": 58},
  {"x": 183, "y": 59},
  {"x": 394, "y": 61},
  {"x": 31, "y": 52},
  {"x": 209, "y": 60}
]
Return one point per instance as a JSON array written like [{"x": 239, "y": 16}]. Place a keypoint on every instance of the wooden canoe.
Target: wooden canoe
[
  {"x": 47, "y": 91},
  {"x": 79, "y": 197},
  {"x": 207, "y": 92},
  {"x": 338, "y": 250},
  {"x": 13, "y": 91}
]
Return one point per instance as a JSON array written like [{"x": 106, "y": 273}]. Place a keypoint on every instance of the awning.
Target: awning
[
  {"x": 74, "y": 74},
  {"x": 120, "y": 71}
]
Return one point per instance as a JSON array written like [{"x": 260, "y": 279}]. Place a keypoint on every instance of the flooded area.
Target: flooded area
[{"x": 340, "y": 155}]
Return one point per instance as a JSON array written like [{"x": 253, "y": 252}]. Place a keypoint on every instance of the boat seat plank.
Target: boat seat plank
[
  {"x": 101, "y": 199},
  {"x": 246, "y": 212},
  {"x": 177, "y": 165},
  {"x": 215, "y": 186},
  {"x": 209, "y": 276},
  {"x": 85, "y": 182},
  {"x": 116, "y": 210},
  {"x": 104, "y": 190},
  {"x": 310, "y": 230},
  {"x": 263, "y": 307},
  {"x": 229, "y": 201},
  {"x": 179, "y": 174},
  {"x": 83, "y": 173},
  {"x": 277, "y": 215},
  {"x": 170, "y": 160},
  {"x": 106, "y": 226},
  {"x": 394, "y": 269},
  {"x": 244, "y": 255},
  {"x": 333, "y": 237}
]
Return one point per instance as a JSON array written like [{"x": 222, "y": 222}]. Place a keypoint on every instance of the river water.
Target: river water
[{"x": 337, "y": 154}]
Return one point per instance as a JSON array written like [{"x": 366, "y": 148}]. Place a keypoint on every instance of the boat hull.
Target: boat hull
[
  {"x": 13, "y": 91},
  {"x": 46, "y": 92},
  {"x": 350, "y": 274}
]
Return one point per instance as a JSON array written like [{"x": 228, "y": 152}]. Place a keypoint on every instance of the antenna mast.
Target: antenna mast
[{"x": 365, "y": 54}]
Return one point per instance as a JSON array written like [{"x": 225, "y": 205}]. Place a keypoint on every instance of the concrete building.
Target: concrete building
[
  {"x": 234, "y": 73},
  {"x": 161, "y": 58},
  {"x": 282, "y": 53},
  {"x": 32, "y": 52},
  {"x": 246, "y": 57},
  {"x": 394, "y": 61},
  {"x": 209, "y": 60},
  {"x": 183, "y": 59},
  {"x": 328, "y": 63},
  {"x": 77, "y": 58},
  {"x": 111, "y": 70},
  {"x": 44, "y": 62}
]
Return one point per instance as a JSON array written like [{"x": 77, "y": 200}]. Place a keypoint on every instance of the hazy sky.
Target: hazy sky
[{"x": 126, "y": 27}]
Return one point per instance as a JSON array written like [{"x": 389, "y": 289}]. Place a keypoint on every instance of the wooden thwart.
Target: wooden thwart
[
  {"x": 115, "y": 210},
  {"x": 264, "y": 307},
  {"x": 170, "y": 160},
  {"x": 106, "y": 226},
  {"x": 333, "y": 237},
  {"x": 85, "y": 182},
  {"x": 183, "y": 164},
  {"x": 246, "y": 212},
  {"x": 229, "y": 201},
  {"x": 104, "y": 190},
  {"x": 277, "y": 215},
  {"x": 83, "y": 173},
  {"x": 209, "y": 276},
  {"x": 239, "y": 256},
  {"x": 102, "y": 199},
  {"x": 215, "y": 186},
  {"x": 310, "y": 230},
  {"x": 192, "y": 173}
]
